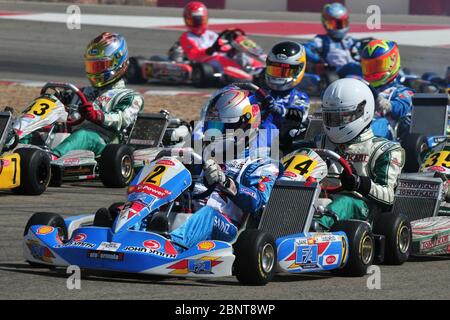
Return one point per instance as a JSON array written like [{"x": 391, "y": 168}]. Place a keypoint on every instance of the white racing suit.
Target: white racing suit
[
  {"x": 224, "y": 213},
  {"x": 378, "y": 162},
  {"x": 120, "y": 107}
]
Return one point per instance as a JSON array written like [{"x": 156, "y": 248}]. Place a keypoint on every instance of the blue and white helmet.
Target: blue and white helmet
[{"x": 335, "y": 20}]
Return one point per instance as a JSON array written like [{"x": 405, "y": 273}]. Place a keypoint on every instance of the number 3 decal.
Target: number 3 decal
[{"x": 44, "y": 107}]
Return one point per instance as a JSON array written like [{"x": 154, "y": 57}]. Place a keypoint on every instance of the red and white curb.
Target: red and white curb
[
  {"x": 144, "y": 91},
  {"x": 406, "y": 34}
]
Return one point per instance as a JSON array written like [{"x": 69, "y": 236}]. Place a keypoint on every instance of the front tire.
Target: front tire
[
  {"x": 47, "y": 219},
  {"x": 256, "y": 257},
  {"x": 361, "y": 245},
  {"x": 134, "y": 73},
  {"x": 116, "y": 166},
  {"x": 398, "y": 232},
  {"x": 203, "y": 75},
  {"x": 414, "y": 145},
  {"x": 34, "y": 171}
]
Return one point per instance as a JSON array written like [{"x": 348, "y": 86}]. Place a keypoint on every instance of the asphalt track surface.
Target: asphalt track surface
[{"x": 48, "y": 51}]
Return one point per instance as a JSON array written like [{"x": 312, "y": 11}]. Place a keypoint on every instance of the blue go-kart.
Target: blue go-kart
[{"x": 134, "y": 236}]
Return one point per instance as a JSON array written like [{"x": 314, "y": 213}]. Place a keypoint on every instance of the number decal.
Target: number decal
[
  {"x": 300, "y": 164},
  {"x": 438, "y": 159},
  {"x": 155, "y": 176},
  {"x": 14, "y": 160},
  {"x": 41, "y": 107}
]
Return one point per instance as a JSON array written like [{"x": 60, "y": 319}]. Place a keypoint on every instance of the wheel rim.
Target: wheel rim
[
  {"x": 403, "y": 239},
  {"x": 126, "y": 166},
  {"x": 267, "y": 257},
  {"x": 366, "y": 249}
]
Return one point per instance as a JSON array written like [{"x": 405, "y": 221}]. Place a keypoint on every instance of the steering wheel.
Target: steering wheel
[
  {"x": 67, "y": 88},
  {"x": 357, "y": 46},
  {"x": 330, "y": 155},
  {"x": 228, "y": 35}
]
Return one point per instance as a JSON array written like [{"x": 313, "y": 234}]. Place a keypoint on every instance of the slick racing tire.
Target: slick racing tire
[
  {"x": 116, "y": 166},
  {"x": 203, "y": 75},
  {"x": 256, "y": 257},
  {"x": 414, "y": 144},
  {"x": 398, "y": 233},
  {"x": 361, "y": 245},
  {"x": 134, "y": 71},
  {"x": 34, "y": 171},
  {"x": 47, "y": 219},
  {"x": 106, "y": 217}
]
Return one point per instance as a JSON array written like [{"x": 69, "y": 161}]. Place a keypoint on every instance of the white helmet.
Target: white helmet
[{"x": 348, "y": 107}]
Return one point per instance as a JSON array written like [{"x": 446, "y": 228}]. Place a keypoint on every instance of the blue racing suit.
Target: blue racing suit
[
  {"x": 323, "y": 48},
  {"x": 293, "y": 108},
  {"x": 399, "y": 106},
  {"x": 224, "y": 213}
]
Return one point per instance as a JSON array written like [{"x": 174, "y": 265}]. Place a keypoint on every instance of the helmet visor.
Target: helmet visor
[
  {"x": 196, "y": 21},
  {"x": 283, "y": 70},
  {"x": 336, "y": 24},
  {"x": 341, "y": 118},
  {"x": 378, "y": 65},
  {"x": 97, "y": 66}
]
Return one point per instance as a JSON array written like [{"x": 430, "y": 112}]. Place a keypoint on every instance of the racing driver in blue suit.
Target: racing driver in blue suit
[{"x": 242, "y": 182}]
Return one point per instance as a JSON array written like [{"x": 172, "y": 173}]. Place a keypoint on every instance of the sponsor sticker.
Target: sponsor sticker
[
  {"x": 44, "y": 230},
  {"x": 206, "y": 245},
  {"x": 109, "y": 246},
  {"x": 150, "y": 251},
  {"x": 200, "y": 266},
  {"x": 152, "y": 244},
  {"x": 79, "y": 237},
  {"x": 166, "y": 162},
  {"x": 96, "y": 254},
  {"x": 330, "y": 259}
]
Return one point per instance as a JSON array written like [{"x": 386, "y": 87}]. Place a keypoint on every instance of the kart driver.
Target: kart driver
[
  {"x": 199, "y": 42},
  {"x": 333, "y": 48},
  {"x": 285, "y": 108},
  {"x": 243, "y": 182},
  {"x": 380, "y": 61},
  {"x": 114, "y": 108},
  {"x": 348, "y": 108}
]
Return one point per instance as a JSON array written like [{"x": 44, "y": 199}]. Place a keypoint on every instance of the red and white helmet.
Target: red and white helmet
[{"x": 196, "y": 17}]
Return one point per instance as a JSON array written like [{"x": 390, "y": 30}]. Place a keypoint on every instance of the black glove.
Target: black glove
[
  {"x": 354, "y": 182},
  {"x": 214, "y": 48}
]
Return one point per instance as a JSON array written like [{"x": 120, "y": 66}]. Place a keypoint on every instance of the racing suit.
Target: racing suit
[
  {"x": 395, "y": 102},
  {"x": 378, "y": 162},
  {"x": 120, "y": 107},
  {"x": 224, "y": 213},
  {"x": 335, "y": 53},
  {"x": 293, "y": 108},
  {"x": 195, "y": 46}
]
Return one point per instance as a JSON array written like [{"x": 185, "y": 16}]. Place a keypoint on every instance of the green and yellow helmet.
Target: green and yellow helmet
[{"x": 106, "y": 59}]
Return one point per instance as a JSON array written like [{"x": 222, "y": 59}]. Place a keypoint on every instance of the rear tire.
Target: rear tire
[
  {"x": 361, "y": 245},
  {"x": 134, "y": 73},
  {"x": 414, "y": 144},
  {"x": 203, "y": 75},
  {"x": 398, "y": 233},
  {"x": 47, "y": 219},
  {"x": 256, "y": 257},
  {"x": 116, "y": 166},
  {"x": 34, "y": 171}
]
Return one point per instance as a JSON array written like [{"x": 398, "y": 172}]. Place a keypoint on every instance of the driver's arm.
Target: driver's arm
[
  {"x": 124, "y": 112},
  {"x": 192, "y": 49},
  {"x": 254, "y": 186},
  {"x": 385, "y": 171},
  {"x": 312, "y": 49}
]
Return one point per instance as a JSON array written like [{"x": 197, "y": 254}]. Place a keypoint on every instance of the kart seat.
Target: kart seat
[{"x": 160, "y": 224}]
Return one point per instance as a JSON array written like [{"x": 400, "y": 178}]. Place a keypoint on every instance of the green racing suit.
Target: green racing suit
[
  {"x": 378, "y": 159},
  {"x": 120, "y": 107}
]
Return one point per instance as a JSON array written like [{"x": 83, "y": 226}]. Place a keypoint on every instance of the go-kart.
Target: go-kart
[
  {"x": 244, "y": 61},
  {"x": 428, "y": 126},
  {"x": 49, "y": 120},
  {"x": 424, "y": 197},
  {"x": 429, "y": 82},
  {"x": 25, "y": 170},
  {"x": 134, "y": 236}
]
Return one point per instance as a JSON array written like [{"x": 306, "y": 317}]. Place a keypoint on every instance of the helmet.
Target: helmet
[
  {"x": 106, "y": 59},
  {"x": 335, "y": 20},
  {"x": 196, "y": 17},
  {"x": 348, "y": 106},
  {"x": 231, "y": 120},
  {"x": 380, "y": 62},
  {"x": 285, "y": 65}
]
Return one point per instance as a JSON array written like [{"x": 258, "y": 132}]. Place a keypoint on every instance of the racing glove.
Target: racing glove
[
  {"x": 89, "y": 112},
  {"x": 214, "y": 175},
  {"x": 355, "y": 182},
  {"x": 214, "y": 48},
  {"x": 274, "y": 107},
  {"x": 383, "y": 105}
]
